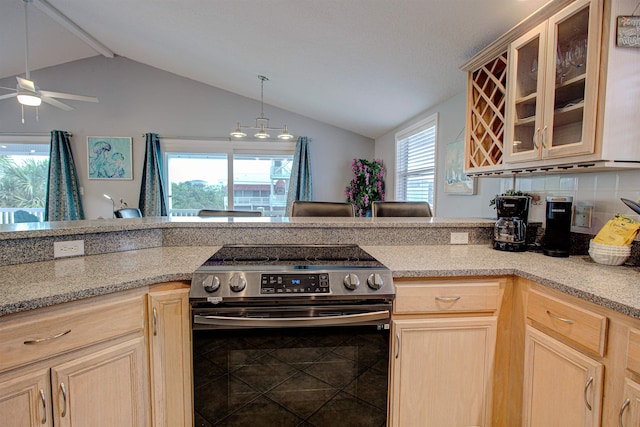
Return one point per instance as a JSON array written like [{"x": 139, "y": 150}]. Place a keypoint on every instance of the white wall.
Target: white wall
[
  {"x": 451, "y": 119},
  {"x": 135, "y": 99}
]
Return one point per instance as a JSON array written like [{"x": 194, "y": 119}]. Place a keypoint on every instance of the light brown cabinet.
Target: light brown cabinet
[
  {"x": 58, "y": 370},
  {"x": 562, "y": 386},
  {"x": 102, "y": 389},
  {"x": 552, "y": 86},
  {"x": 170, "y": 355},
  {"x": 443, "y": 342},
  {"x": 25, "y": 399},
  {"x": 562, "y": 102}
]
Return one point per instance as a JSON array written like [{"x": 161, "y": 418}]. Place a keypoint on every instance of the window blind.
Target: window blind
[{"x": 415, "y": 162}]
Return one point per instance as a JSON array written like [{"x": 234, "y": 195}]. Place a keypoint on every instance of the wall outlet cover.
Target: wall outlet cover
[
  {"x": 68, "y": 248},
  {"x": 582, "y": 215},
  {"x": 459, "y": 238}
]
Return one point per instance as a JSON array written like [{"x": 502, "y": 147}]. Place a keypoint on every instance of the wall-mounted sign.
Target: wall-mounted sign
[{"x": 628, "y": 33}]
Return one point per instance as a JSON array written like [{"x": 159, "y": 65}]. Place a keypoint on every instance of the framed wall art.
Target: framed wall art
[
  {"x": 109, "y": 157},
  {"x": 628, "y": 31},
  {"x": 456, "y": 182}
]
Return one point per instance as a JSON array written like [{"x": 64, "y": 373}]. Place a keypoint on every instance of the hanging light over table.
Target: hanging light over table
[{"x": 262, "y": 122}]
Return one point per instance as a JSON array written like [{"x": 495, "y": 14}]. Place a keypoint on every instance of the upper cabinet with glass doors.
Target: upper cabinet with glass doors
[
  {"x": 552, "y": 86},
  {"x": 555, "y": 93}
]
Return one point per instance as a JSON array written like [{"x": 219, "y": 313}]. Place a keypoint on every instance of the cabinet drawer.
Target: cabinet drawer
[
  {"x": 633, "y": 351},
  {"x": 441, "y": 297},
  {"x": 42, "y": 334},
  {"x": 579, "y": 325}
]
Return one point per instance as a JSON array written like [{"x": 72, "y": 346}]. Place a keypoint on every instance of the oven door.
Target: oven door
[
  {"x": 213, "y": 317},
  {"x": 290, "y": 377}
]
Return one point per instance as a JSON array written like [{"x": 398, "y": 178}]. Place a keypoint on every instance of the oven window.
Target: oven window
[{"x": 290, "y": 377}]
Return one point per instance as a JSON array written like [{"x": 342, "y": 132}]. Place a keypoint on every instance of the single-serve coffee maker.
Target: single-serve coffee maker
[
  {"x": 510, "y": 231},
  {"x": 557, "y": 233}
]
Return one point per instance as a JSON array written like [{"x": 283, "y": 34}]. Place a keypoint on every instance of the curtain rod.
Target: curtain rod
[
  {"x": 193, "y": 138},
  {"x": 217, "y": 138},
  {"x": 30, "y": 133}
]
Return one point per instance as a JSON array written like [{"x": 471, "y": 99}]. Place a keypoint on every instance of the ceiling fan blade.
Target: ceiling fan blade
[
  {"x": 26, "y": 84},
  {"x": 69, "y": 96},
  {"x": 9, "y": 95},
  {"x": 56, "y": 103},
  {"x": 8, "y": 88}
]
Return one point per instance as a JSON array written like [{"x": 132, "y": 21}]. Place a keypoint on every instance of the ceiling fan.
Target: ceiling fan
[{"x": 28, "y": 93}]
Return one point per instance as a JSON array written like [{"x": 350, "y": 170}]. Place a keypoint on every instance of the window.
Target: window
[
  {"x": 416, "y": 162},
  {"x": 24, "y": 171},
  {"x": 250, "y": 176}
]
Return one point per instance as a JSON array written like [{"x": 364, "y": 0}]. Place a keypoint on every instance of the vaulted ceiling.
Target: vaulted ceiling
[{"x": 362, "y": 65}]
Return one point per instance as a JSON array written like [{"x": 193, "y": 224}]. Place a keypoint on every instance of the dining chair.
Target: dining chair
[
  {"x": 128, "y": 213},
  {"x": 401, "y": 209},
  {"x": 336, "y": 209},
  {"x": 220, "y": 212}
]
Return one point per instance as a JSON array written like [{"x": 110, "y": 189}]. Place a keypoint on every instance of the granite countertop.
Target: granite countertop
[
  {"x": 39, "y": 284},
  {"x": 62, "y": 228}
]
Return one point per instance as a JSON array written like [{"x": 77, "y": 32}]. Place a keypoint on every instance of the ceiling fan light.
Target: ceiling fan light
[
  {"x": 238, "y": 132},
  {"x": 29, "y": 99}
]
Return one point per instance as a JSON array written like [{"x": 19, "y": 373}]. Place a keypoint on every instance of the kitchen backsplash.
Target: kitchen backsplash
[{"x": 601, "y": 190}]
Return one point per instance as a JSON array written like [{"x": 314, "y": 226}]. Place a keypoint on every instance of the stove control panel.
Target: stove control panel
[{"x": 294, "y": 283}]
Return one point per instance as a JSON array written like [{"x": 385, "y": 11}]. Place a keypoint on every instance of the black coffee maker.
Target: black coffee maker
[
  {"x": 510, "y": 231},
  {"x": 557, "y": 233}
]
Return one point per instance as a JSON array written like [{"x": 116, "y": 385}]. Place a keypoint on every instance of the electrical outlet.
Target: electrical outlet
[
  {"x": 68, "y": 248},
  {"x": 459, "y": 238},
  {"x": 582, "y": 214}
]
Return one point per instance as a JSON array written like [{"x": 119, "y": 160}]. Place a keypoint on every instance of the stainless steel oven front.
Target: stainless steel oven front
[{"x": 293, "y": 345}]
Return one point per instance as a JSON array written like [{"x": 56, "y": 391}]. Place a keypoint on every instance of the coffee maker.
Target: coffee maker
[
  {"x": 557, "y": 233},
  {"x": 510, "y": 230}
]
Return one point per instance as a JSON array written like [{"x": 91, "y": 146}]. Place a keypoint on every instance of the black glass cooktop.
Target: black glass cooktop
[{"x": 292, "y": 255}]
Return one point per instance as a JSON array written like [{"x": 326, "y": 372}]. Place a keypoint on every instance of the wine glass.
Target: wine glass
[
  {"x": 533, "y": 71},
  {"x": 562, "y": 65},
  {"x": 578, "y": 55}
]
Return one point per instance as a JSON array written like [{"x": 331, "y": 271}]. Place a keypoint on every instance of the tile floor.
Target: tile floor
[{"x": 309, "y": 377}]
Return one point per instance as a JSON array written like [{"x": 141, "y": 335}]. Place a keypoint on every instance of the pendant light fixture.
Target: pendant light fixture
[{"x": 262, "y": 122}]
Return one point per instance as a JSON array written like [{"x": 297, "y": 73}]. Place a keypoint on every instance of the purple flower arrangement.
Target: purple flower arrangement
[{"x": 366, "y": 186}]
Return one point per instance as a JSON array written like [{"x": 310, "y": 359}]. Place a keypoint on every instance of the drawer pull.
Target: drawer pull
[
  {"x": 621, "y": 413},
  {"x": 63, "y": 390},
  {"x": 44, "y": 407},
  {"x": 155, "y": 322},
  {"x": 40, "y": 340},
  {"x": 447, "y": 299},
  {"x": 562, "y": 319},
  {"x": 586, "y": 388}
]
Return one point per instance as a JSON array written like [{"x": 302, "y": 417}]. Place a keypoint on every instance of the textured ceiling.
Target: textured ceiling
[{"x": 362, "y": 65}]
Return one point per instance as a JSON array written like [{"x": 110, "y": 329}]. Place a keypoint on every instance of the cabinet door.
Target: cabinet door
[
  {"x": 562, "y": 387},
  {"x": 442, "y": 372},
  {"x": 572, "y": 80},
  {"x": 525, "y": 107},
  {"x": 25, "y": 400},
  {"x": 629, "y": 415},
  {"x": 103, "y": 389},
  {"x": 170, "y": 352}
]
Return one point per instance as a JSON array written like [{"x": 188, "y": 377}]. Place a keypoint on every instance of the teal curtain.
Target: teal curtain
[
  {"x": 63, "y": 202},
  {"x": 300, "y": 185},
  {"x": 153, "y": 201}
]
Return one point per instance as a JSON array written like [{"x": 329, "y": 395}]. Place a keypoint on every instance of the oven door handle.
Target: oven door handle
[{"x": 287, "y": 322}]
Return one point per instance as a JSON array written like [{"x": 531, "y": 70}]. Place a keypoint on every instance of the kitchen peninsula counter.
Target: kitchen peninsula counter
[{"x": 39, "y": 284}]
